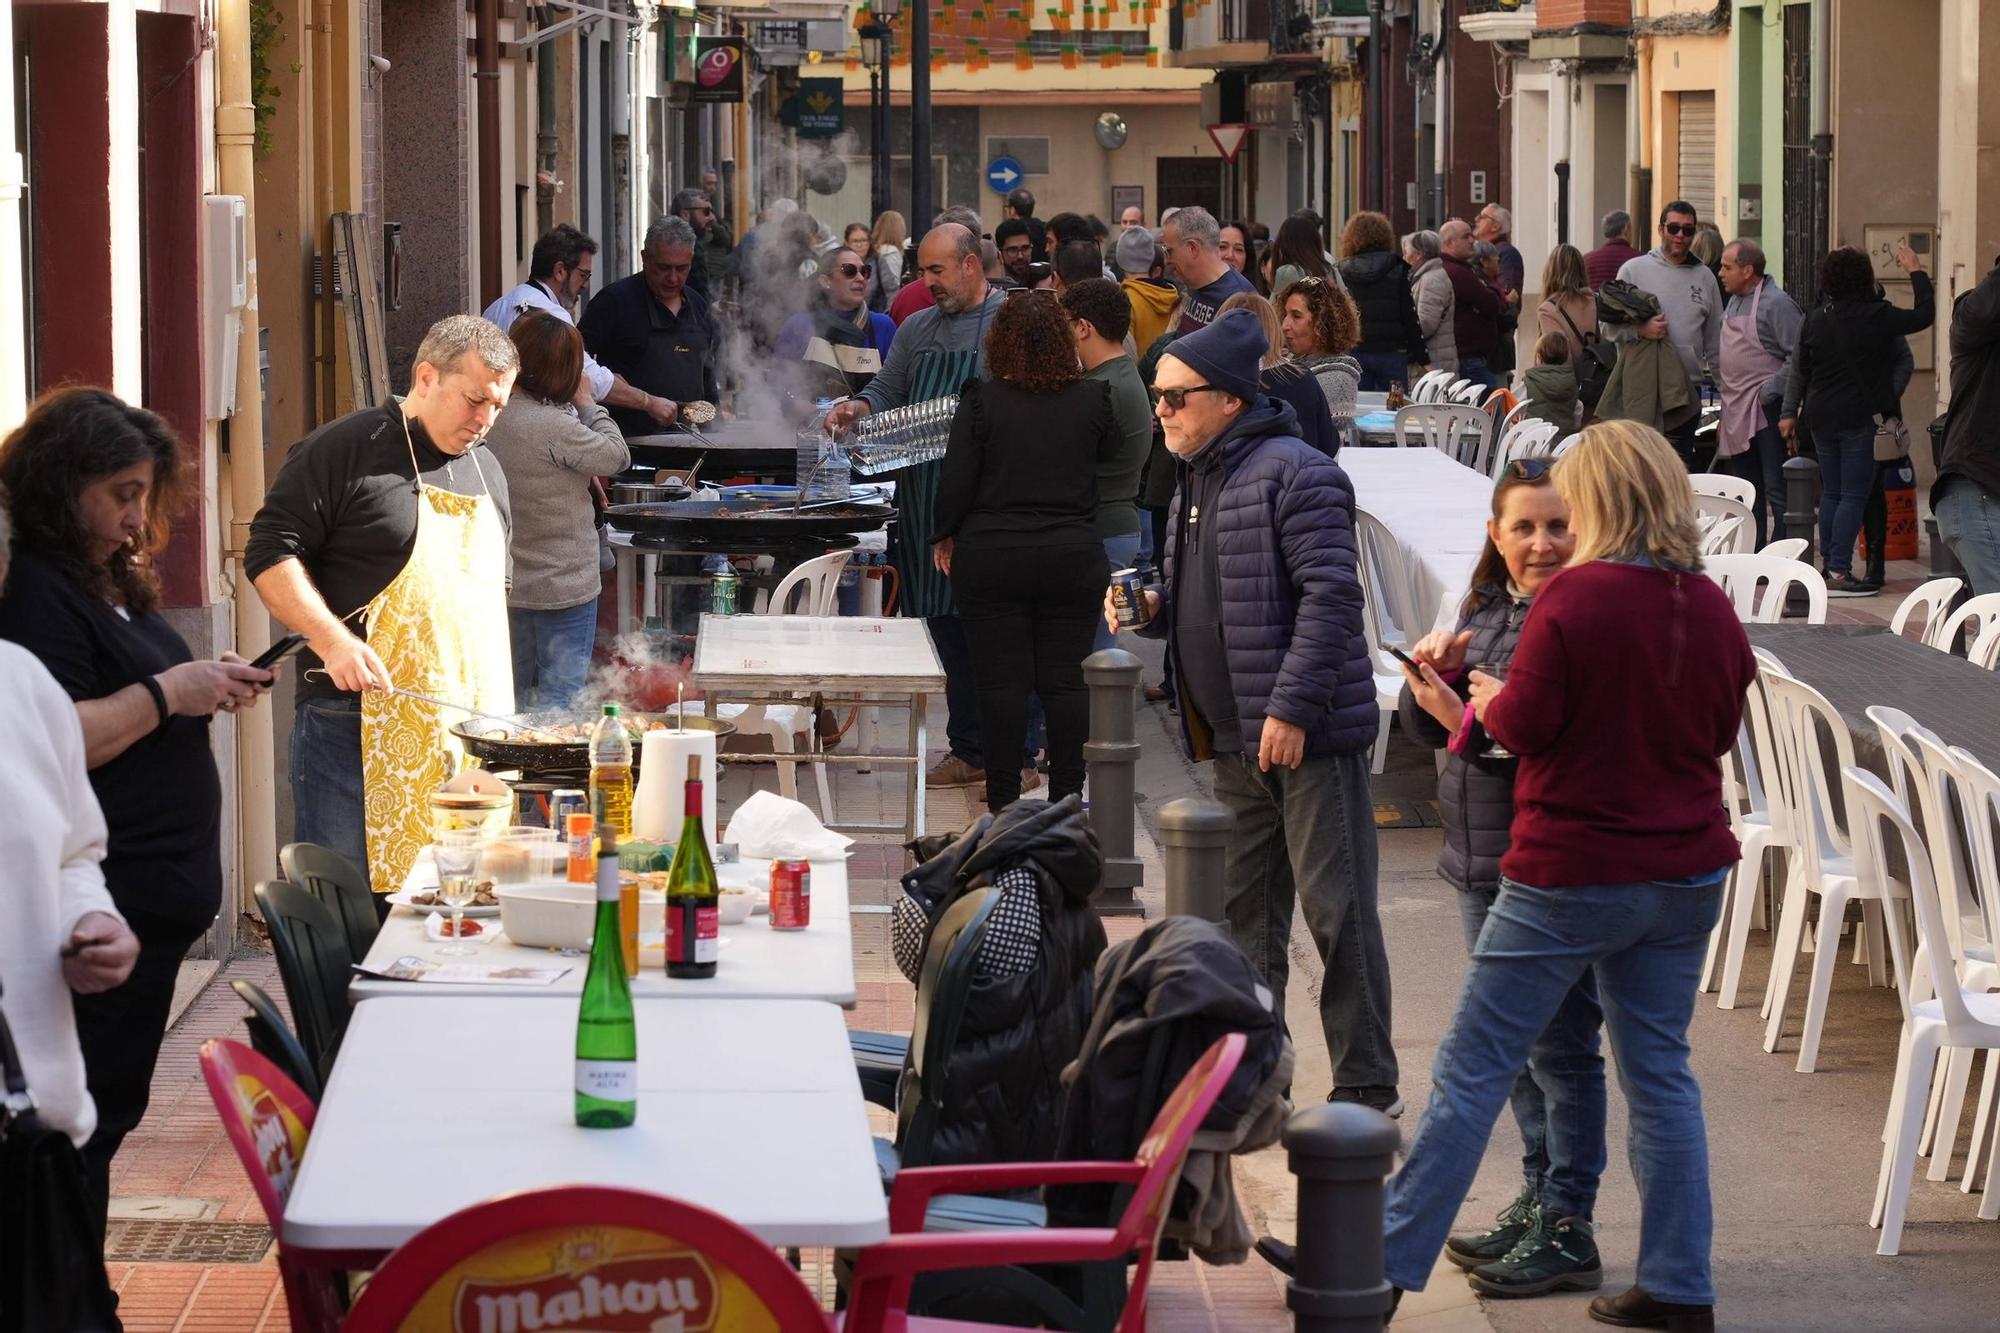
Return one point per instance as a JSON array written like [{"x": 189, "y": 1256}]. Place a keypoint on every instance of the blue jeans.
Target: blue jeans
[
  {"x": 1763, "y": 466},
  {"x": 1968, "y": 520},
  {"x": 1123, "y": 553},
  {"x": 1381, "y": 369},
  {"x": 1474, "y": 368},
  {"x": 1847, "y": 471},
  {"x": 1646, "y": 942},
  {"x": 326, "y": 777},
  {"x": 1559, "y": 1098},
  {"x": 551, "y": 654}
]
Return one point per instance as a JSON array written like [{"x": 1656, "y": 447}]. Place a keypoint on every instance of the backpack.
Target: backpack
[{"x": 1593, "y": 369}]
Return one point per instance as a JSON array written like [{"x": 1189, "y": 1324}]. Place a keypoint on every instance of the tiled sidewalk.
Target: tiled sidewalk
[{"x": 179, "y": 1165}]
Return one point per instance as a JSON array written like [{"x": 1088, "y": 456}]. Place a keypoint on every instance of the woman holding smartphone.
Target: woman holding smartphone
[{"x": 1541, "y": 1241}]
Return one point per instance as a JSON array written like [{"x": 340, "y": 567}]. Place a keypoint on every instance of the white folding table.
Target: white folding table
[
  {"x": 825, "y": 660},
  {"x": 755, "y": 962},
  {"x": 1436, "y": 508},
  {"x": 752, "y": 1109}
]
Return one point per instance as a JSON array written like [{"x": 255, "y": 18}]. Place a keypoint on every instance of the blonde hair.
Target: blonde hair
[
  {"x": 1628, "y": 496},
  {"x": 1274, "y": 342},
  {"x": 890, "y": 230}
]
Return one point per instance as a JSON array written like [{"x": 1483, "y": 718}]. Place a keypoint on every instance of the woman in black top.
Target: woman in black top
[
  {"x": 90, "y": 483},
  {"x": 1015, "y": 512}
]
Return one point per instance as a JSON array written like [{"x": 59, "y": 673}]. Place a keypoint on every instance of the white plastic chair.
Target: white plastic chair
[
  {"x": 1785, "y": 548},
  {"x": 1454, "y": 430},
  {"x": 1425, "y": 390},
  {"x": 1985, "y": 650},
  {"x": 1742, "y": 575},
  {"x": 1756, "y": 788},
  {"x": 1513, "y": 415},
  {"x": 1566, "y": 443},
  {"x": 1387, "y": 671},
  {"x": 1978, "y": 920},
  {"x": 1826, "y": 863},
  {"x": 1932, "y": 602},
  {"x": 1526, "y": 439},
  {"x": 812, "y": 589},
  {"x": 1727, "y": 527},
  {"x": 1738, "y": 489},
  {"x": 1401, "y": 622},
  {"x": 1954, "y": 1019},
  {"x": 1470, "y": 393},
  {"x": 1976, "y": 617}
]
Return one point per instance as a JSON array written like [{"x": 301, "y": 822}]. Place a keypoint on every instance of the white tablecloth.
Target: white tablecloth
[
  {"x": 750, "y": 1108},
  {"x": 1437, "y": 510}
]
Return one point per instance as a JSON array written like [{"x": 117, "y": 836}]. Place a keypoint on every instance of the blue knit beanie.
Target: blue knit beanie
[{"x": 1229, "y": 353}]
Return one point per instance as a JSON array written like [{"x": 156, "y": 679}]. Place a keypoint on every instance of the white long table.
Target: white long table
[
  {"x": 755, "y": 963},
  {"x": 751, "y": 1109},
  {"x": 1436, "y": 508}
]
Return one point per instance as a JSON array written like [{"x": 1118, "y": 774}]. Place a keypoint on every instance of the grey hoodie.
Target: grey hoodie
[{"x": 1691, "y": 300}]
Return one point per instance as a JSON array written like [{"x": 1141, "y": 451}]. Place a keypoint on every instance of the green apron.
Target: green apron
[{"x": 925, "y": 590}]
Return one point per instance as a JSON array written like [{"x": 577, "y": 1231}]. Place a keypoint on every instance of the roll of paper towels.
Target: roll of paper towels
[{"x": 660, "y": 803}]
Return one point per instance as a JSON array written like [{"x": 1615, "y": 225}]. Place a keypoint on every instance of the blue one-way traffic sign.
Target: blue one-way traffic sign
[{"x": 1004, "y": 174}]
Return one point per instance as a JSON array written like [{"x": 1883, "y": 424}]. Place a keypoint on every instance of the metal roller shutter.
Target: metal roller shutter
[{"x": 1697, "y": 152}]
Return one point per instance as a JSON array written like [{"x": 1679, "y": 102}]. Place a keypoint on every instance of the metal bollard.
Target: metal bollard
[
  {"x": 1112, "y": 756},
  {"x": 1194, "y": 834},
  {"x": 1801, "y": 518},
  {"x": 1341, "y": 1152}
]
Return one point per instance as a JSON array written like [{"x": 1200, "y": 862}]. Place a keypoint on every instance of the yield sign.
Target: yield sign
[{"x": 1229, "y": 139}]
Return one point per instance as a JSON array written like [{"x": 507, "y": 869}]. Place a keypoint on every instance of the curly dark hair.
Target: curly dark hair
[
  {"x": 1029, "y": 345},
  {"x": 1366, "y": 233},
  {"x": 1846, "y": 275},
  {"x": 71, "y": 437},
  {"x": 1336, "y": 323}
]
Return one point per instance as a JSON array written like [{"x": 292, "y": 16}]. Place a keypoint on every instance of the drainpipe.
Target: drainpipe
[
  {"x": 1441, "y": 141},
  {"x": 1642, "y": 160},
  {"x": 1375, "y": 196},
  {"x": 1820, "y": 198},
  {"x": 545, "y": 135},
  {"x": 486, "y": 83},
  {"x": 1559, "y": 132},
  {"x": 236, "y": 173}
]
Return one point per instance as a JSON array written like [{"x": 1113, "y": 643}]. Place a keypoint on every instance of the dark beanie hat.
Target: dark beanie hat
[{"x": 1229, "y": 352}]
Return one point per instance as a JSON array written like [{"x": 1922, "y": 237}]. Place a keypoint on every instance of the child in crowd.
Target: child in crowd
[{"x": 1550, "y": 385}]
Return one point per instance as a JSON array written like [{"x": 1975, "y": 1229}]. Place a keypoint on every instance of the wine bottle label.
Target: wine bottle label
[
  {"x": 693, "y": 933},
  {"x": 608, "y": 1080}
]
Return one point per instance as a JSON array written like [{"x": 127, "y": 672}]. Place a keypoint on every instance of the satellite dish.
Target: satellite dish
[{"x": 1111, "y": 130}]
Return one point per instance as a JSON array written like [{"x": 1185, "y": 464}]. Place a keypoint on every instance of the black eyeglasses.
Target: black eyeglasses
[
  {"x": 856, "y": 270},
  {"x": 1527, "y": 469},
  {"x": 1177, "y": 398},
  {"x": 1679, "y": 228}
]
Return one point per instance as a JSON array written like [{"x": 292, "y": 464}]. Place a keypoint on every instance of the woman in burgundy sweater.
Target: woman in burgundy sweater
[{"x": 1624, "y": 693}]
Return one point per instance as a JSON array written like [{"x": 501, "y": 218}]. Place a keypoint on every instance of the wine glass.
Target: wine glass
[
  {"x": 457, "y": 856},
  {"x": 1495, "y": 750}
]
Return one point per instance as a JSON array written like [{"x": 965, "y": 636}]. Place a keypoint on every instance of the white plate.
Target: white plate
[{"x": 425, "y": 909}]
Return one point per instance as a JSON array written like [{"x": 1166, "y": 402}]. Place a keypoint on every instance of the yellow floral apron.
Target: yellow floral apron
[{"x": 441, "y": 629}]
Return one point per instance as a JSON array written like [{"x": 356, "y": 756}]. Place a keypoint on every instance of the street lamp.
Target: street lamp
[{"x": 877, "y": 42}]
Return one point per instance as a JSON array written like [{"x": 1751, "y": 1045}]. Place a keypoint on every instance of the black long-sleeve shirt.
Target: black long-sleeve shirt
[
  {"x": 1021, "y": 468},
  {"x": 1971, "y": 440},
  {"x": 618, "y": 327},
  {"x": 345, "y": 506}
]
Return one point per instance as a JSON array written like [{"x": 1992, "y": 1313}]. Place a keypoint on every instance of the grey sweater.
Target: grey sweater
[
  {"x": 549, "y": 452},
  {"x": 930, "y": 330},
  {"x": 1692, "y": 302}
]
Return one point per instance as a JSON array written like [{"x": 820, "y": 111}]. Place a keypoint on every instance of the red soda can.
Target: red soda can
[{"x": 791, "y": 895}]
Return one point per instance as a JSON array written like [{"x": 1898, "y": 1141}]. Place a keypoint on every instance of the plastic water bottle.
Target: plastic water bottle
[{"x": 611, "y": 775}]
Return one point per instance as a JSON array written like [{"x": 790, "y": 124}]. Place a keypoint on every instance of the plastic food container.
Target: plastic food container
[{"x": 555, "y": 914}]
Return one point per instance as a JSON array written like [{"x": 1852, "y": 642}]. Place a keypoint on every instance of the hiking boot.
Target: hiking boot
[
  {"x": 1633, "y": 1308},
  {"x": 1384, "y": 1100},
  {"x": 1550, "y": 1256},
  {"x": 1846, "y": 585},
  {"x": 951, "y": 771},
  {"x": 1494, "y": 1243}
]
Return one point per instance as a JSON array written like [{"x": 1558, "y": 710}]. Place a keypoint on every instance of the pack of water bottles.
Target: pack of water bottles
[{"x": 902, "y": 436}]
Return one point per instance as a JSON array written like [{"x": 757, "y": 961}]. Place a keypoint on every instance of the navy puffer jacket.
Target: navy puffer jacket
[{"x": 1290, "y": 585}]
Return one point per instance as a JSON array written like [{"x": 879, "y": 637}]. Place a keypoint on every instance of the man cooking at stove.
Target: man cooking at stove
[
  {"x": 656, "y": 331},
  {"x": 936, "y": 350},
  {"x": 383, "y": 540}
]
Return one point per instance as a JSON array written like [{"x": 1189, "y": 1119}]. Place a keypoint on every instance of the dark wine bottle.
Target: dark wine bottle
[{"x": 693, "y": 894}]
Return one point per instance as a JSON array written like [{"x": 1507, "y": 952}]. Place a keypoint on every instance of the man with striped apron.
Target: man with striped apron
[{"x": 936, "y": 351}]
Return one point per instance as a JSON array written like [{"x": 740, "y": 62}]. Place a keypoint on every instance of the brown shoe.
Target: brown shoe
[
  {"x": 1634, "y": 1308},
  {"x": 1030, "y": 779},
  {"x": 1156, "y": 694},
  {"x": 951, "y": 771}
]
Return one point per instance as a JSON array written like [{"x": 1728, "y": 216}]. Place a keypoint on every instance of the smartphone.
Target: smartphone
[
  {"x": 1402, "y": 657},
  {"x": 279, "y": 651}
]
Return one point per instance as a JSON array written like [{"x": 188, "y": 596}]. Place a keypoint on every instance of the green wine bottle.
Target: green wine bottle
[
  {"x": 694, "y": 897},
  {"x": 607, "y": 1039}
]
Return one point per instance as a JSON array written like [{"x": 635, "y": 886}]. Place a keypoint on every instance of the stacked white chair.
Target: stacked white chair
[
  {"x": 1977, "y": 917},
  {"x": 1426, "y": 389},
  {"x": 1743, "y": 576},
  {"x": 1525, "y": 439},
  {"x": 1757, "y": 788},
  {"x": 1728, "y": 526},
  {"x": 1976, "y": 617},
  {"x": 1785, "y": 548},
  {"x": 1932, "y": 602},
  {"x": 1454, "y": 430},
  {"x": 1469, "y": 393},
  {"x": 1738, "y": 489},
  {"x": 1387, "y": 616}
]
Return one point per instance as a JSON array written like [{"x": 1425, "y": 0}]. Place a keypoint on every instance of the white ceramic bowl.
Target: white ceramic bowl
[
  {"x": 555, "y": 914},
  {"x": 734, "y": 906}
]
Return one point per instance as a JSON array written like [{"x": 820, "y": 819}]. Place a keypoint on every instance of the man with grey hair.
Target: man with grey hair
[
  {"x": 1603, "y": 263},
  {"x": 1494, "y": 225},
  {"x": 697, "y": 209},
  {"x": 1193, "y": 241},
  {"x": 1760, "y": 327},
  {"x": 936, "y": 350},
  {"x": 656, "y": 332},
  {"x": 383, "y": 540}
]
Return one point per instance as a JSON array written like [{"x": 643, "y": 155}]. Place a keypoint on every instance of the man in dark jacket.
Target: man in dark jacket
[
  {"x": 1261, "y": 611},
  {"x": 1476, "y": 306},
  {"x": 1966, "y": 496}
]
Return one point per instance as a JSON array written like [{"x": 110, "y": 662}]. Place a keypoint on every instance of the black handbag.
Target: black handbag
[{"x": 51, "y": 1258}]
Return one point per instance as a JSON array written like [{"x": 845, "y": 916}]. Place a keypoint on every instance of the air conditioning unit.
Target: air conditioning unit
[{"x": 225, "y": 291}]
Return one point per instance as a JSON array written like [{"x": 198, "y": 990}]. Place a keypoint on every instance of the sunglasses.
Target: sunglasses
[
  {"x": 1679, "y": 228},
  {"x": 1527, "y": 469},
  {"x": 1177, "y": 398},
  {"x": 856, "y": 270}
]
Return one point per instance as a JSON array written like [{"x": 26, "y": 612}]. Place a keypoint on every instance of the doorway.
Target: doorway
[{"x": 1190, "y": 182}]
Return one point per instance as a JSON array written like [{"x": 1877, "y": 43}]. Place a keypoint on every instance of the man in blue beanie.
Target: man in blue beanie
[{"x": 1261, "y": 611}]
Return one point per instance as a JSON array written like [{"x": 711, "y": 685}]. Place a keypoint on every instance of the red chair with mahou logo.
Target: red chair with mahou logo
[
  {"x": 586, "y": 1256},
  {"x": 880, "y": 1290},
  {"x": 268, "y": 1121}
]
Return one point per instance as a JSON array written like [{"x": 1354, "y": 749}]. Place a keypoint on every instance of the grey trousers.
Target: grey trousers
[{"x": 1309, "y": 833}]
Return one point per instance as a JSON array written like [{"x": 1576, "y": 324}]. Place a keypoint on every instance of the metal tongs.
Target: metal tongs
[{"x": 511, "y": 723}]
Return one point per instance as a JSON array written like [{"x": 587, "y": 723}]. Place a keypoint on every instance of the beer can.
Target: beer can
[
  {"x": 1128, "y": 598},
  {"x": 791, "y": 895},
  {"x": 722, "y": 593},
  {"x": 564, "y": 802}
]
